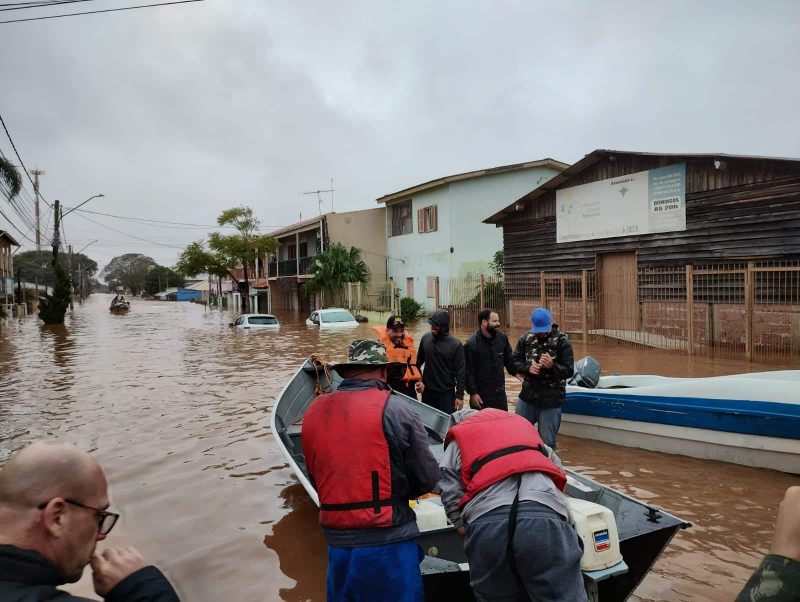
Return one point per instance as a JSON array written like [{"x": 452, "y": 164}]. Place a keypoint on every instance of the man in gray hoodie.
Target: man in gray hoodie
[{"x": 442, "y": 355}]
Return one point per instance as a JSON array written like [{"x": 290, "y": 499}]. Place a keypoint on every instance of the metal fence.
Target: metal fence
[
  {"x": 744, "y": 309},
  {"x": 748, "y": 309}
]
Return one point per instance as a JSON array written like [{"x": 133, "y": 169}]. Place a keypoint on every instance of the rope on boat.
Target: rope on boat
[{"x": 321, "y": 364}]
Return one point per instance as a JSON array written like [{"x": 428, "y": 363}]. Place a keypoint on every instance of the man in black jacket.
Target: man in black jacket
[
  {"x": 53, "y": 511},
  {"x": 486, "y": 353},
  {"x": 442, "y": 354},
  {"x": 544, "y": 356}
]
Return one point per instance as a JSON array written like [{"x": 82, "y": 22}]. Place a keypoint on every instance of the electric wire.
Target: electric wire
[
  {"x": 107, "y": 10},
  {"x": 167, "y": 224},
  {"x": 130, "y": 235},
  {"x": 39, "y": 4}
]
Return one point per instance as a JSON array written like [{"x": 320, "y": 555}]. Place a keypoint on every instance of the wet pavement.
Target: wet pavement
[{"x": 175, "y": 406}]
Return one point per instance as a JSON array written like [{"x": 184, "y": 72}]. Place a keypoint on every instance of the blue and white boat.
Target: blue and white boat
[{"x": 749, "y": 419}]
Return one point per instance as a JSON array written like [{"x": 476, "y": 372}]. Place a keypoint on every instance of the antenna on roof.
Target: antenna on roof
[{"x": 319, "y": 196}]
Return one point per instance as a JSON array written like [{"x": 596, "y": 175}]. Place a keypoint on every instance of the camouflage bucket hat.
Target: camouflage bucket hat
[{"x": 365, "y": 352}]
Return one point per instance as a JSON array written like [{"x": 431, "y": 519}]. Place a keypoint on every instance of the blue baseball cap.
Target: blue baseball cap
[{"x": 541, "y": 320}]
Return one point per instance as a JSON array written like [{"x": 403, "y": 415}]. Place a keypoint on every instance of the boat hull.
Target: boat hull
[
  {"x": 752, "y": 420},
  {"x": 644, "y": 530}
]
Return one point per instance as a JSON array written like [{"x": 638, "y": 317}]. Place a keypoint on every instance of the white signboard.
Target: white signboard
[{"x": 641, "y": 203}]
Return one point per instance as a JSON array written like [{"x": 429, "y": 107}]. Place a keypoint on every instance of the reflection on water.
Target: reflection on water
[{"x": 176, "y": 407}]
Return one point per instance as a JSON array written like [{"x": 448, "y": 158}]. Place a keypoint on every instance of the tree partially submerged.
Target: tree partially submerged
[
  {"x": 334, "y": 268},
  {"x": 53, "y": 308},
  {"x": 223, "y": 253},
  {"x": 129, "y": 271}
]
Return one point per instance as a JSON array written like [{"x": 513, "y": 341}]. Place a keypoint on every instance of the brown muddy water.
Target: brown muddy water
[{"x": 175, "y": 406}]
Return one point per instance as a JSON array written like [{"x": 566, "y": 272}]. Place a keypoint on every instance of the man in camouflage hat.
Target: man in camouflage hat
[
  {"x": 367, "y": 455},
  {"x": 777, "y": 579}
]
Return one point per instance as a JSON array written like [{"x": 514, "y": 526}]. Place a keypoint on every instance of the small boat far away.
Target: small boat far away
[
  {"x": 749, "y": 419},
  {"x": 644, "y": 530}
]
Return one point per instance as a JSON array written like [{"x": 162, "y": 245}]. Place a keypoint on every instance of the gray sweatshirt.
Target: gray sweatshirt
[{"x": 534, "y": 487}]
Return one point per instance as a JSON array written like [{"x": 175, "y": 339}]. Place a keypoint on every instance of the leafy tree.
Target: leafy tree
[
  {"x": 334, "y": 268},
  {"x": 225, "y": 252},
  {"x": 11, "y": 177},
  {"x": 497, "y": 263},
  {"x": 160, "y": 277},
  {"x": 39, "y": 264},
  {"x": 53, "y": 308},
  {"x": 128, "y": 270}
]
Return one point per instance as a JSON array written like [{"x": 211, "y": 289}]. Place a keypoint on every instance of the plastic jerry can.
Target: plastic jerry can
[
  {"x": 597, "y": 528},
  {"x": 430, "y": 515}
]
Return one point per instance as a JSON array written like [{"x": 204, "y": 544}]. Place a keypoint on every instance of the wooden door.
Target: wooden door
[
  {"x": 410, "y": 287},
  {"x": 618, "y": 291}
]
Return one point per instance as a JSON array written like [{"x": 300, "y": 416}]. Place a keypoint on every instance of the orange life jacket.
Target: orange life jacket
[
  {"x": 495, "y": 445},
  {"x": 348, "y": 458},
  {"x": 405, "y": 354}
]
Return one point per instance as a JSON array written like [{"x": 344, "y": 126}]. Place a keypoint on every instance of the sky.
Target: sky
[{"x": 178, "y": 112}]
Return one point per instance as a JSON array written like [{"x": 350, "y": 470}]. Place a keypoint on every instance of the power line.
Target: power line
[
  {"x": 16, "y": 152},
  {"x": 130, "y": 235},
  {"x": 107, "y": 10},
  {"x": 15, "y": 227},
  {"x": 28, "y": 5},
  {"x": 152, "y": 221}
]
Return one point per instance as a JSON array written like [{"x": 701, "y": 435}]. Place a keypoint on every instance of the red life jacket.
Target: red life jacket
[
  {"x": 347, "y": 456},
  {"x": 494, "y": 445}
]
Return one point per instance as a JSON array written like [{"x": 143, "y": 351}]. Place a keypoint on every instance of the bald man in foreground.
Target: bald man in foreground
[{"x": 53, "y": 511}]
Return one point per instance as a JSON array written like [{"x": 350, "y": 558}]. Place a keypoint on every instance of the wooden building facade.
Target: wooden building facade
[{"x": 737, "y": 260}]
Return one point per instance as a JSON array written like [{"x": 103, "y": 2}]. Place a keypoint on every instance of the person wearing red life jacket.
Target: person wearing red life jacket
[
  {"x": 502, "y": 488},
  {"x": 367, "y": 455}
]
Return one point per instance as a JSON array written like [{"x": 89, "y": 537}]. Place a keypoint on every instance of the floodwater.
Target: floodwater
[{"x": 175, "y": 406}]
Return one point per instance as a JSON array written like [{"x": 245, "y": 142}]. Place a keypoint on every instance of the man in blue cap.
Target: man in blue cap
[{"x": 544, "y": 357}]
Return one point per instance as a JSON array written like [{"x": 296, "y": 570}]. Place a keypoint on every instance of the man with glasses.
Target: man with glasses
[{"x": 53, "y": 511}]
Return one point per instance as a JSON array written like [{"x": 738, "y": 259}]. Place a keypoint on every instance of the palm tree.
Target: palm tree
[
  {"x": 11, "y": 177},
  {"x": 334, "y": 268}
]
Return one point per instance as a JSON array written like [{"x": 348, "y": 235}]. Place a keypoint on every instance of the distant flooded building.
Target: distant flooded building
[
  {"x": 288, "y": 268},
  {"x": 628, "y": 245}
]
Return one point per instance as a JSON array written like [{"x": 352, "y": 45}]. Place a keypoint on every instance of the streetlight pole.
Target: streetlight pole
[
  {"x": 81, "y": 204},
  {"x": 81, "y": 286}
]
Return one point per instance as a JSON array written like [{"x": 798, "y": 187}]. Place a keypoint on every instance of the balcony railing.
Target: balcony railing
[
  {"x": 273, "y": 269},
  {"x": 287, "y": 267},
  {"x": 305, "y": 265}
]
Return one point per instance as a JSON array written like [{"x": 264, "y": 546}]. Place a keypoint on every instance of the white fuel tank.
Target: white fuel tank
[
  {"x": 597, "y": 529},
  {"x": 430, "y": 515}
]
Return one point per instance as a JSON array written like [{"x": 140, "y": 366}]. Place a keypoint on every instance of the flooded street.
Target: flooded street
[{"x": 175, "y": 406}]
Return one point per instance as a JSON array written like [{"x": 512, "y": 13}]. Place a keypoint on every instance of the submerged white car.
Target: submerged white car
[
  {"x": 334, "y": 317},
  {"x": 256, "y": 321}
]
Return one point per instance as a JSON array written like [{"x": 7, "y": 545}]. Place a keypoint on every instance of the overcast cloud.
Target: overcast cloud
[{"x": 177, "y": 113}]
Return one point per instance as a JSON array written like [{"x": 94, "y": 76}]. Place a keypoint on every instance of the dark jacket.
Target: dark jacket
[
  {"x": 27, "y": 576},
  {"x": 548, "y": 389},
  {"x": 443, "y": 358},
  {"x": 485, "y": 359},
  {"x": 414, "y": 469}
]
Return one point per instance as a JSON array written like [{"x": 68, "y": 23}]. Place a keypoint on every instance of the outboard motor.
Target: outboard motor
[{"x": 587, "y": 373}]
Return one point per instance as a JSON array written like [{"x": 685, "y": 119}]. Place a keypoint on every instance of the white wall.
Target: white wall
[{"x": 461, "y": 206}]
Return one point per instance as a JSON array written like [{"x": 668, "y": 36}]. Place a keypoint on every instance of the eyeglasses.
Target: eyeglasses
[{"x": 105, "y": 519}]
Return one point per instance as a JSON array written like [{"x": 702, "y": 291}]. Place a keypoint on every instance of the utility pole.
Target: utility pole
[
  {"x": 56, "y": 225},
  {"x": 36, "y": 173},
  {"x": 71, "y": 279}
]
